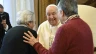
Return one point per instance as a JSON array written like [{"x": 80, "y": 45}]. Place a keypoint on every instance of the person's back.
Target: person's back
[
  {"x": 13, "y": 44},
  {"x": 78, "y": 36}
]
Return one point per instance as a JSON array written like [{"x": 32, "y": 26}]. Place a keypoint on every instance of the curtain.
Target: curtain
[
  {"x": 13, "y": 6},
  {"x": 36, "y": 11},
  {"x": 57, "y": 1}
]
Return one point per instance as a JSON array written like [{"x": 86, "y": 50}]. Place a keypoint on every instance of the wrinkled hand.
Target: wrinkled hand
[{"x": 29, "y": 38}]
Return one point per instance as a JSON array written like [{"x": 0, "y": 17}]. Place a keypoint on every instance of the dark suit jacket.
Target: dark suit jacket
[
  {"x": 13, "y": 41},
  {"x": 2, "y": 32},
  {"x": 1, "y": 26}
]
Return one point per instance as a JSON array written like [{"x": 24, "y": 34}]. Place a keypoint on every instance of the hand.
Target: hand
[
  {"x": 4, "y": 23},
  {"x": 30, "y": 39}
]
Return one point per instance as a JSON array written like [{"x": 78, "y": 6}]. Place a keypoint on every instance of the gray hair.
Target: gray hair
[
  {"x": 69, "y": 7},
  {"x": 24, "y": 17}
]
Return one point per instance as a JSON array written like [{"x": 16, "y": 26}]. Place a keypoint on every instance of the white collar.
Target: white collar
[
  {"x": 71, "y": 17},
  {"x": 22, "y": 25}
]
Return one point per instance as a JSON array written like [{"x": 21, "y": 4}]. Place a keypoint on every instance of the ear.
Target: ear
[
  {"x": 62, "y": 13},
  {"x": 27, "y": 23}
]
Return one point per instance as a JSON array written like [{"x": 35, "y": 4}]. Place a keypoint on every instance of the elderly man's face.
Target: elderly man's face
[{"x": 52, "y": 15}]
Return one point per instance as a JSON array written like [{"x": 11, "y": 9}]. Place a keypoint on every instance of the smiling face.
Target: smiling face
[{"x": 52, "y": 15}]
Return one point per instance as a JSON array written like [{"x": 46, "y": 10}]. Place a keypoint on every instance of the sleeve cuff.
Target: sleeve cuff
[
  {"x": 36, "y": 44},
  {"x": 6, "y": 28}
]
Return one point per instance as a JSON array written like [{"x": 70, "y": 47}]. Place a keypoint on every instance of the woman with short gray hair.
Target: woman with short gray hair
[
  {"x": 12, "y": 42},
  {"x": 25, "y": 17}
]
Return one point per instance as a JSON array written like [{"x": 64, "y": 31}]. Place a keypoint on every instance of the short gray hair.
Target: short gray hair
[
  {"x": 69, "y": 7},
  {"x": 24, "y": 17}
]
